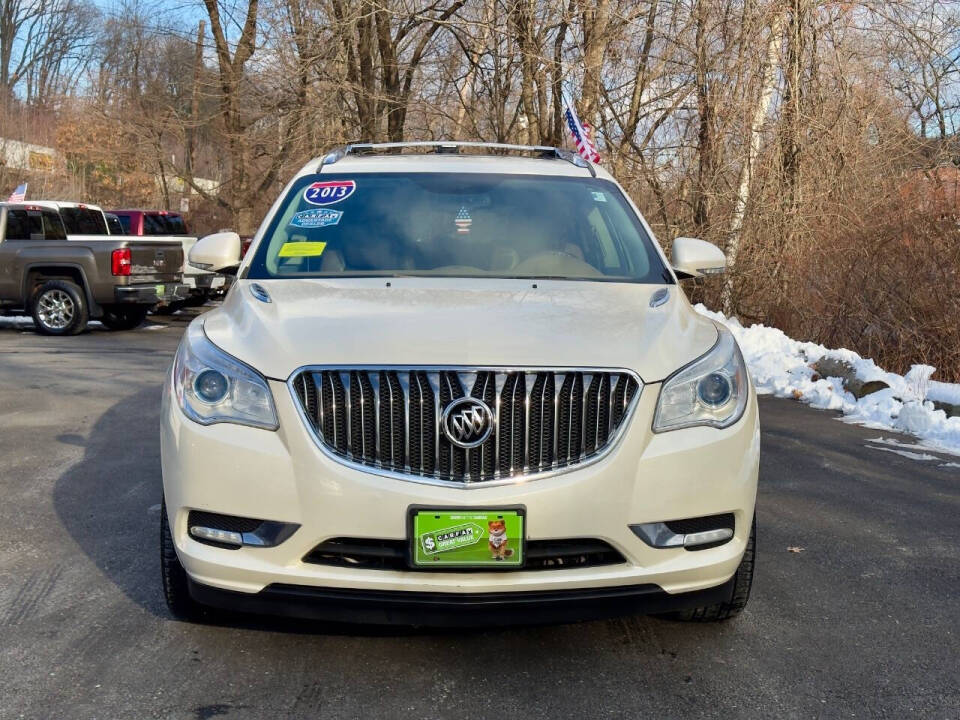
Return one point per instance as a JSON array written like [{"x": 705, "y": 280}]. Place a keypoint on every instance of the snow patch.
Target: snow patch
[
  {"x": 16, "y": 321},
  {"x": 781, "y": 366},
  {"x": 905, "y": 453},
  {"x": 944, "y": 392},
  {"x": 911, "y": 446}
]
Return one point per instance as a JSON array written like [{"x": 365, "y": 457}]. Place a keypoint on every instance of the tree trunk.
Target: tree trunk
[
  {"x": 596, "y": 19},
  {"x": 790, "y": 143},
  {"x": 767, "y": 86},
  {"x": 466, "y": 92},
  {"x": 522, "y": 17},
  {"x": 706, "y": 111}
]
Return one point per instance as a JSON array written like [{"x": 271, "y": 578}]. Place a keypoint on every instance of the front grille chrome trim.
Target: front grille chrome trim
[{"x": 584, "y": 375}]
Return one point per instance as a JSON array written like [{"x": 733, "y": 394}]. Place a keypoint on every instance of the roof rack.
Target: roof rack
[{"x": 452, "y": 147}]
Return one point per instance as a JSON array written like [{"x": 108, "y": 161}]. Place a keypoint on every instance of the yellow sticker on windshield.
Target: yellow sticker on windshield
[{"x": 302, "y": 249}]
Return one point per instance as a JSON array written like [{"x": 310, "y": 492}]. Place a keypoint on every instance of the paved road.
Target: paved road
[{"x": 861, "y": 623}]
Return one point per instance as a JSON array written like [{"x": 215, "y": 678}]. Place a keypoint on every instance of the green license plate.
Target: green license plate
[{"x": 467, "y": 538}]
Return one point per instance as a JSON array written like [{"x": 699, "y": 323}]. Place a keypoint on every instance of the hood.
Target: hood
[{"x": 459, "y": 321}]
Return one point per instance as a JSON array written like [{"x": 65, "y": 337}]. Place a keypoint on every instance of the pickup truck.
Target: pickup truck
[
  {"x": 63, "y": 282},
  {"x": 202, "y": 284}
]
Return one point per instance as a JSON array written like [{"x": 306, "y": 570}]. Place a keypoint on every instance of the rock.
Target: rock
[
  {"x": 951, "y": 409},
  {"x": 869, "y": 387},
  {"x": 831, "y": 367}
]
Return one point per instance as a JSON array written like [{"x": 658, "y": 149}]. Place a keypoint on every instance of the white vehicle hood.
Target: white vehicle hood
[{"x": 458, "y": 321}]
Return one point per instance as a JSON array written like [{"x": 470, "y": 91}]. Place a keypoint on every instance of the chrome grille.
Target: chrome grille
[{"x": 389, "y": 418}]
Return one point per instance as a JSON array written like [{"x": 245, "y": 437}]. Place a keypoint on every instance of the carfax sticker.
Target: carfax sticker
[
  {"x": 329, "y": 192},
  {"x": 451, "y": 538},
  {"x": 316, "y": 218},
  {"x": 302, "y": 249}
]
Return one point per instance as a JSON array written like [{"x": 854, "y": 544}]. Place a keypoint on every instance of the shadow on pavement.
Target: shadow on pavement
[
  {"x": 109, "y": 503},
  {"x": 104, "y": 500}
]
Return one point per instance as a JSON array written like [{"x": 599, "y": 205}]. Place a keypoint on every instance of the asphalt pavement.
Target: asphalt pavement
[{"x": 854, "y": 611}]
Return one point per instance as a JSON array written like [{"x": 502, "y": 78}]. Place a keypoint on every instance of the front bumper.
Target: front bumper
[
  {"x": 151, "y": 294},
  {"x": 456, "y": 609},
  {"x": 283, "y": 476}
]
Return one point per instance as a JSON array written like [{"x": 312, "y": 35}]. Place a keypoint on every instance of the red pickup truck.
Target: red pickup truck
[{"x": 151, "y": 222}]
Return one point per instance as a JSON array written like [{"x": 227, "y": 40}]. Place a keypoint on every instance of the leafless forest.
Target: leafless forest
[{"x": 814, "y": 141}]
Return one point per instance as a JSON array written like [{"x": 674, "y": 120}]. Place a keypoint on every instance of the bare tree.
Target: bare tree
[{"x": 45, "y": 44}]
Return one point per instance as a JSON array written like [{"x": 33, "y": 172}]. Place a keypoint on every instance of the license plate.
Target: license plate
[
  {"x": 217, "y": 282},
  {"x": 467, "y": 538},
  {"x": 160, "y": 290}
]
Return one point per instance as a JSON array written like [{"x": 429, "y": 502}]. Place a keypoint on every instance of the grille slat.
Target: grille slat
[
  {"x": 391, "y": 418},
  {"x": 376, "y": 554}
]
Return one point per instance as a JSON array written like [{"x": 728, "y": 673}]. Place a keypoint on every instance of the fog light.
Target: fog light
[
  {"x": 226, "y": 537},
  {"x": 707, "y": 536}
]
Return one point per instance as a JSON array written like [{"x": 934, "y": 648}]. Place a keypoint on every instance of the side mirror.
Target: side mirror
[
  {"x": 219, "y": 252},
  {"x": 695, "y": 258}
]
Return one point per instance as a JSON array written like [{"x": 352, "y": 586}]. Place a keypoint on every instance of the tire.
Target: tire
[
  {"x": 59, "y": 307},
  {"x": 176, "y": 589},
  {"x": 169, "y": 308},
  {"x": 197, "y": 300},
  {"x": 124, "y": 318},
  {"x": 742, "y": 580}
]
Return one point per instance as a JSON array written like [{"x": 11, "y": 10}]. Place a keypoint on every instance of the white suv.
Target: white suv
[{"x": 458, "y": 384}]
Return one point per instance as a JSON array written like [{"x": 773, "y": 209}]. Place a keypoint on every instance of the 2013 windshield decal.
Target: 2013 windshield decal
[{"x": 329, "y": 192}]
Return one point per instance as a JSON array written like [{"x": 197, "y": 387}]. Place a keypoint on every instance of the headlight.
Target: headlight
[
  {"x": 712, "y": 390},
  {"x": 213, "y": 387}
]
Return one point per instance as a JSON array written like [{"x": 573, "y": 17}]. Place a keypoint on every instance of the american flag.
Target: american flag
[
  {"x": 19, "y": 194},
  {"x": 463, "y": 221},
  {"x": 581, "y": 136}
]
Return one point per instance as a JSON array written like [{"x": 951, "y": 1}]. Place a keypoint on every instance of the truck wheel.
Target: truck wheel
[
  {"x": 59, "y": 308},
  {"x": 197, "y": 300},
  {"x": 175, "y": 587},
  {"x": 743, "y": 579},
  {"x": 124, "y": 318},
  {"x": 169, "y": 309}
]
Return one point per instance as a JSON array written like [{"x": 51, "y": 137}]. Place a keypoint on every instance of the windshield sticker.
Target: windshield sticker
[
  {"x": 599, "y": 196},
  {"x": 463, "y": 221},
  {"x": 330, "y": 192},
  {"x": 302, "y": 249},
  {"x": 316, "y": 218}
]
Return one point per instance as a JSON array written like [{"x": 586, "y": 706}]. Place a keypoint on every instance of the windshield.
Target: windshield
[
  {"x": 452, "y": 224},
  {"x": 83, "y": 221}
]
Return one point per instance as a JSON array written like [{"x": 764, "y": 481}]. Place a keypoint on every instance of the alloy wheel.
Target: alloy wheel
[{"x": 56, "y": 309}]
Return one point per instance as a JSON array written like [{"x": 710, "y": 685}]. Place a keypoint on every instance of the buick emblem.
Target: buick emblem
[{"x": 467, "y": 422}]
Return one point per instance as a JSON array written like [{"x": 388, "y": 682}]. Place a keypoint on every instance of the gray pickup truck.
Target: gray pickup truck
[{"x": 63, "y": 283}]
